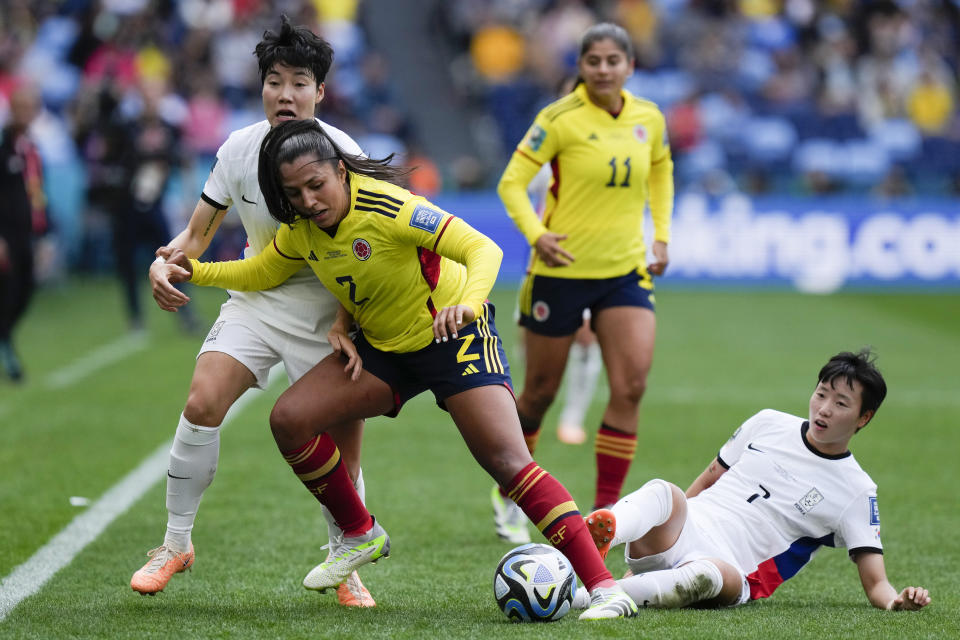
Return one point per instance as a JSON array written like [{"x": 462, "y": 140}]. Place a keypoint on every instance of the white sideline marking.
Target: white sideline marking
[
  {"x": 97, "y": 359},
  {"x": 26, "y": 579}
]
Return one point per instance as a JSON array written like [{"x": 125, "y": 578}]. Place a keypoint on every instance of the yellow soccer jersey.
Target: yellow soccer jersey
[
  {"x": 605, "y": 169},
  {"x": 392, "y": 262}
]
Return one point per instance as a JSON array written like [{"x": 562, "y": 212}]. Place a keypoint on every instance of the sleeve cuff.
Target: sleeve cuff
[{"x": 213, "y": 203}]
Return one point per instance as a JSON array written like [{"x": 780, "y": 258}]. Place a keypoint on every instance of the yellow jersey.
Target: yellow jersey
[
  {"x": 393, "y": 261},
  {"x": 605, "y": 170}
]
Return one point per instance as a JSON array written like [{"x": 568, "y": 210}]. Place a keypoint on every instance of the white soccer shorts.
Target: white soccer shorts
[
  {"x": 258, "y": 346},
  {"x": 694, "y": 543}
]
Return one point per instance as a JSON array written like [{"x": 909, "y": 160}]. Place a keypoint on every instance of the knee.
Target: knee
[
  {"x": 731, "y": 587},
  {"x": 503, "y": 466},
  {"x": 631, "y": 388},
  {"x": 286, "y": 423},
  {"x": 539, "y": 392},
  {"x": 201, "y": 410}
]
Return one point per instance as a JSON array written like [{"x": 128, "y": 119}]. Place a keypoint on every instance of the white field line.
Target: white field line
[
  {"x": 97, "y": 359},
  {"x": 26, "y": 579}
]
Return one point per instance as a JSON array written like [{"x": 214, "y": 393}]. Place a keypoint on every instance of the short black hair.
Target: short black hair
[
  {"x": 295, "y": 138},
  {"x": 860, "y": 367},
  {"x": 294, "y": 47}
]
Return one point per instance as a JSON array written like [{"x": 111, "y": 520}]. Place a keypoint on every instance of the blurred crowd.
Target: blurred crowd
[
  {"x": 138, "y": 95},
  {"x": 784, "y": 96},
  {"x": 792, "y": 96}
]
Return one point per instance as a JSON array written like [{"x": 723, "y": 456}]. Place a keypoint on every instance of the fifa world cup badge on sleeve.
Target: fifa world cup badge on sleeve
[
  {"x": 535, "y": 137},
  {"x": 426, "y": 218}
]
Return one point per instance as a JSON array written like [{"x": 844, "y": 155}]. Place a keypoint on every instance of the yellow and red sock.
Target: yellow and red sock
[
  {"x": 317, "y": 463},
  {"x": 549, "y": 506},
  {"x": 614, "y": 450}
]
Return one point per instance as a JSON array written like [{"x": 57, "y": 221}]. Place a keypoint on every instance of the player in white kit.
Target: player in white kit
[
  {"x": 255, "y": 330},
  {"x": 781, "y": 488}
]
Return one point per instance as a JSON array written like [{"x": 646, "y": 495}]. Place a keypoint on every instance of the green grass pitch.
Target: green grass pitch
[{"x": 720, "y": 356}]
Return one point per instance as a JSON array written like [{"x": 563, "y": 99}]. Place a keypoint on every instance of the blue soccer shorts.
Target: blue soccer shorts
[
  {"x": 475, "y": 358},
  {"x": 554, "y": 306}
]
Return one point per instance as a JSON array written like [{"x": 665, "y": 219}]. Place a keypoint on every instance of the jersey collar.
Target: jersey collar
[
  {"x": 581, "y": 90},
  {"x": 828, "y": 456}
]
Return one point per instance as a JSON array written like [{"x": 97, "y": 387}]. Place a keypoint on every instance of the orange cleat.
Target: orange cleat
[
  {"x": 352, "y": 593},
  {"x": 571, "y": 433},
  {"x": 602, "y": 525},
  {"x": 163, "y": 563}
]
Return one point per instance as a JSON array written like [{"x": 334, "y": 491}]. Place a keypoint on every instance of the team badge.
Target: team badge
[
  {"x": 640, "y": 133},
  {"x": 535, "y": 137},
  {"x": 541, "y": 311},
  {"x": 215, "y": 331},
  {"x": 809, "y": 501},
  {"x": 426, "y": 218},
  {"x": 361, "y": 249}
]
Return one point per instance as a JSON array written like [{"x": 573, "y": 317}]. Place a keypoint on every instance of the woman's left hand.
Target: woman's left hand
[
  {"x": 342, "y": 345},
  {"x": 449, "y": 319},
  {"x": 660, "y": 258}
]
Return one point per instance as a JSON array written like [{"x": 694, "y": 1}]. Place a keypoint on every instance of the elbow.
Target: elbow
[{"x": 503, "y": 190}]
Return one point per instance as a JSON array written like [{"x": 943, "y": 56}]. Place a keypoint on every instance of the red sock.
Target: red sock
[
  {"x": 531, "y": 431},
  {"x": 614, "y": 450},
  {"x": 550, "y": 507},
  {"x": 317, "y": 464}
]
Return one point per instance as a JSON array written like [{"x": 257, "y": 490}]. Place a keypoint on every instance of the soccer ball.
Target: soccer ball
[{"x": 534, "y": 583}]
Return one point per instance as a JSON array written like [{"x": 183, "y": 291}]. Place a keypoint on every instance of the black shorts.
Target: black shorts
[
  {"x": 475, "y": 358},
  {"x": 554, "y": 306}
]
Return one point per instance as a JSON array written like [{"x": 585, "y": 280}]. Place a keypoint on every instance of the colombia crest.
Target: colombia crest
[{"x": 361, "y": 249}]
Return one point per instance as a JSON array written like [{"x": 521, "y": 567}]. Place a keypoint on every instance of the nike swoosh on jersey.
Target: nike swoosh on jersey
[
  {"x": 244, "y": 198},
  {"x": 750, "y": 446},
  {"x": 170, "y": 475}
]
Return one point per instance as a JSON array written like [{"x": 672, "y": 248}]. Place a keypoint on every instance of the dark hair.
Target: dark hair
[
  {"x": 860, "y": 367},
  {"x": 294, "y": 47},
  {"x": 295, "y": 138},
  {"x": 606, "y": 31}
]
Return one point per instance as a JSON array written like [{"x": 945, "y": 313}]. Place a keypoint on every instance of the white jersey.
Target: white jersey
[
  {"x": 301, "y": 306},
  {"x": 780, "y": 501}
]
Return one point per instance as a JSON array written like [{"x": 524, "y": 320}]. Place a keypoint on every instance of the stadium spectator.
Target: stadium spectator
[
  {"x": 415, "y": 279},
  {"x": 255, "y": 330},
  {"x": 780, "y": 489},
  {"x": 609, "y": 154},
  {"x": 837, "y": 71},
  {"x": 148, "y": 151},
  {"x": 22, "y": 216}
]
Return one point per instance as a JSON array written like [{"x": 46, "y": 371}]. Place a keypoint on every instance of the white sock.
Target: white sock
[
  {"x": 583, "y": 368},
  {"x": 646, "y": 508},
  {"x": 675, "y": 588},
  {"x": 333, "y": 531},
  {"x": 193, "y": 463}
]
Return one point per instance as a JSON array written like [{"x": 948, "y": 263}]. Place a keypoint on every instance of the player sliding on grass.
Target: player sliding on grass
[
  {"x": 255, "y": 330},
  {"x": 415, "y": 279},
  {"x": 780, "y": 488}
]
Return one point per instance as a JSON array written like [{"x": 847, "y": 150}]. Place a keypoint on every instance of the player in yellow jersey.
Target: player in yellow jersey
[
  {"x": 415, "y": 279},
  {"x": 609, "y": 156}
]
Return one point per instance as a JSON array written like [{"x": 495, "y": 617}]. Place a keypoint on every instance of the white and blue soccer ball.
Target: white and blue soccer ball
[{"x": 534, "y": 583}]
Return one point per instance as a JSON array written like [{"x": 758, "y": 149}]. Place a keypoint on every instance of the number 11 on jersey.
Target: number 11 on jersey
[{"x": 613, "y": 173}]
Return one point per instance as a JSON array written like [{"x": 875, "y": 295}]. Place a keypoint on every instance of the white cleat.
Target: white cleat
[
  {"x": 609, "y": 602},
  {"x": 509, "y": 519},
  {"x": 352, "y": 554}
]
